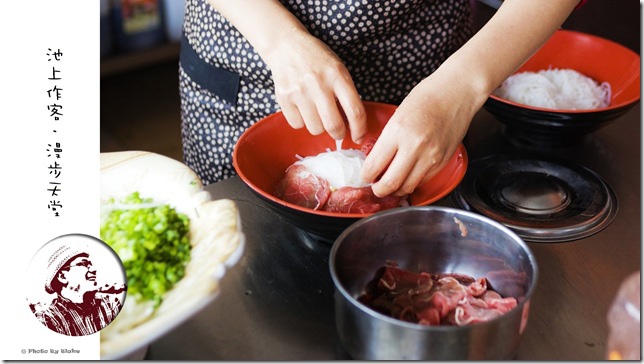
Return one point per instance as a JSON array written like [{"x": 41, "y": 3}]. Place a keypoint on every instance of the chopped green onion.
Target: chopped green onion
[{"x": 152, "y": 242}]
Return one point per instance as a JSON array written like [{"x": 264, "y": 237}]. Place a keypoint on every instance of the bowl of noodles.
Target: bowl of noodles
[
  {"x": 575, "y": 84},
  {"x": 267, "y": 155}
]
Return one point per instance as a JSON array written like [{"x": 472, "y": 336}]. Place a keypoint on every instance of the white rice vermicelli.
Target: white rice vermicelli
[
  {"x": 341, "y": 167},
  {"x": 564, "y": 89}
]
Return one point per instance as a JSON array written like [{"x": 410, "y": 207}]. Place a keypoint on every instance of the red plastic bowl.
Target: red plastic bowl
[
  {"x": 598, "y": 58},
  {"x": 266, "y": 149}
]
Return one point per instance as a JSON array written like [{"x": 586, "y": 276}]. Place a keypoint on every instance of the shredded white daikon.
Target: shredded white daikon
[
  {"x": 341, "y": 168},
  {"x": 563, "y": 89}
]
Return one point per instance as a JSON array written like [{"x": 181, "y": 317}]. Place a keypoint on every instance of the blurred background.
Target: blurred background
[
  {"x": 139, "y": 76},
  {"x": 140, "y": 54}
]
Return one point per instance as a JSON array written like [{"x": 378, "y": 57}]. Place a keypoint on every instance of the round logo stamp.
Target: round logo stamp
[{"x": 77, "y": 285}]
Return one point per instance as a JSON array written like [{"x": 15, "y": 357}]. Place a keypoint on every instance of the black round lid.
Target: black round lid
[{"x": 540, "y": 200}]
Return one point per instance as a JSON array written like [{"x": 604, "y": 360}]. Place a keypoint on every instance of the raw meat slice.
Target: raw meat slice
[
  {"x": 434, "y": 299},
  {"x": 358, "y": 200},
  {"x": 331, "y": 183},
  {"x": 303, "y": 188}
]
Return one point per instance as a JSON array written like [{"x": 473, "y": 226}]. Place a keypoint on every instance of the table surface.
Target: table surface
[{"x": 277, "y": 302}]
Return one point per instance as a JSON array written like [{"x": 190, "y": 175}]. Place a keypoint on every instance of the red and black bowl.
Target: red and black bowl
[
  {"x": 266, "y": 149},
  {"x": 595, "y": 57}
]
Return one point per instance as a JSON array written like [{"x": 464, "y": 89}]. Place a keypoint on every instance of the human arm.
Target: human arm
[
  {"x": 312, "y": 85},
  {"x": 432, "y": 120}
]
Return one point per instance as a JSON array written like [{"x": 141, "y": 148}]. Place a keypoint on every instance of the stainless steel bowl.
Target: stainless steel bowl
[{"x": 436, "y": 240}]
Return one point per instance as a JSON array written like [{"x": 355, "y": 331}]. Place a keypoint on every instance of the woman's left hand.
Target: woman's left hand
[
  {"x": 421, "y": 136},
  {"x": 431, "y": 122}
]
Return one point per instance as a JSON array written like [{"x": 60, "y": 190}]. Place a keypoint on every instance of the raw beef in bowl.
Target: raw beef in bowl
[{"x": 330, "y": 181}]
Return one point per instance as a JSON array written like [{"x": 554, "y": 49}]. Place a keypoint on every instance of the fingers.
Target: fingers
[
  {"x": 400, "y": 179},
  {"x": 397, "y": 166},
  {"x": 318, "y": 101},
  {"x": 310, "y": 115},
  {"x": 397, "y": 182},
  {"x": 330, "y": 116},
  {"x": 300, "y": 112},
  {"x": 393, "y": 179},
  {"x": 353, "y": 108},
  {"x": 317, "y": 117},
  {"x": 382, "y": 153},
  {"x": 292, "y": 115},
  {"x": 403, "y": 176}
]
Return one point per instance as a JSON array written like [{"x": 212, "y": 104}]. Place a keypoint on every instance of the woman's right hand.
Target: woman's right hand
[
  {"x": 314, "y": 88},
  {"x": 312, "y": 85}
]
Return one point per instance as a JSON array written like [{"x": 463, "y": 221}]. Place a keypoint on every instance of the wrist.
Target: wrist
[
  {"x": 273, "y": 46},
  {"x": 466, "y": 80},
  {"x": 265, "y": 24}
]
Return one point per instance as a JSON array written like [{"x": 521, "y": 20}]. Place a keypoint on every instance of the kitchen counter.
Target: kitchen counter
[{"x": 277, "y": 302}]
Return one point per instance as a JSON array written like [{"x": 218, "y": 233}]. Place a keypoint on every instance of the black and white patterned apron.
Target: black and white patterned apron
[{"x": 388, "y": 46}]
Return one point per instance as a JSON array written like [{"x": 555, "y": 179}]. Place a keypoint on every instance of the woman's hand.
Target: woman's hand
[
  {"x": 426, "y": 129},
  {"x": 421, "y": 136},
  {"x": 312, "y": 86}
]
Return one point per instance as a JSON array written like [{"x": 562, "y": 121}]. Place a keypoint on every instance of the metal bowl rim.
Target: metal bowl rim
[{"x": 414, "y": 326}]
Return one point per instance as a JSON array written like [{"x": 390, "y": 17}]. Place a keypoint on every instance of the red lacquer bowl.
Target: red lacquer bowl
[
  {"x": 598, "y": 58},
  {"x": 266, "y": 149}
]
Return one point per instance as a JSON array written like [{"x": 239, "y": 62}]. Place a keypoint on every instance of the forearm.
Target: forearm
[
  {"x": 263, "y": 23},
  {"x": 517, "y": 30}
]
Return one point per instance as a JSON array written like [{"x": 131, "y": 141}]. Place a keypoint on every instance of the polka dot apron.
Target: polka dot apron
[{"x": 388, "y": 47}]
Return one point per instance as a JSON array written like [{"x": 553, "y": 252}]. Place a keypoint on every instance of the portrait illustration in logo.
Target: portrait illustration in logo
[{"x": 79, "y": 285}]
